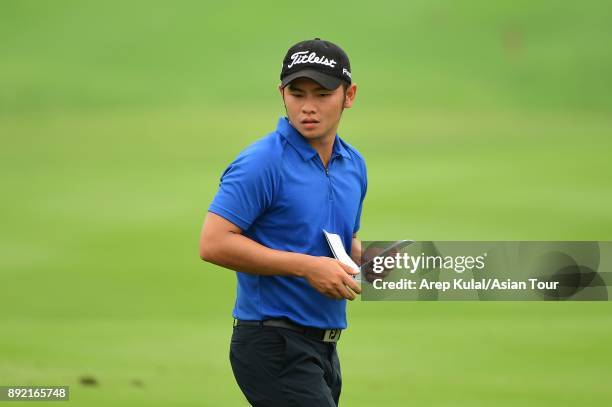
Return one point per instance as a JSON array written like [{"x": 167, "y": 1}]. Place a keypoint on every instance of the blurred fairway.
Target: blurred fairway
[{"x": 479, "y": 121}]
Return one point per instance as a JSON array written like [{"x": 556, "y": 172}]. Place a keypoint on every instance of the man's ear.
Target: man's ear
[
  {"x": 280, "y": 88},
  {"x": 350, "y": 95}
]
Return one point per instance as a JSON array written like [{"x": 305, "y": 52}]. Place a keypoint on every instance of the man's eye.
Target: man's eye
[{"x": 325, "y": 94}]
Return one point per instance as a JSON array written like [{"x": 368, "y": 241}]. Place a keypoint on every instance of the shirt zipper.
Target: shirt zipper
[
  {"x": 330, "y": 198},
  {"x": 326, "y": 169}
]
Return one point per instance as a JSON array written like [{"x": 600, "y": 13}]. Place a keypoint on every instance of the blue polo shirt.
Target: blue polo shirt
[{"x": 279, "y": 194}]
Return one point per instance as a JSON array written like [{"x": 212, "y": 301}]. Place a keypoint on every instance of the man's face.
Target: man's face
[{"x": 313, "y": 110}]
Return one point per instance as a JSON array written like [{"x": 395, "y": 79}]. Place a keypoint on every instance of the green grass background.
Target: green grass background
[{"x": 479, "y": 120}]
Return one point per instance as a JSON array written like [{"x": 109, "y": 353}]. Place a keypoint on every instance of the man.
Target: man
[{"x": 266, "y": 222}]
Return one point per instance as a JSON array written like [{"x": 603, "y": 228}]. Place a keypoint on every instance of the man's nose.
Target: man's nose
[{"x": 309, "y": 105}]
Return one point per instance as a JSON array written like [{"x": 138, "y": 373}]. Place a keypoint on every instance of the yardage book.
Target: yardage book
[{"x": 335, "y": 244}]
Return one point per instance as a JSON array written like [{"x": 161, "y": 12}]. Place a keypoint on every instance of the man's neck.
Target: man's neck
[{"x": 324, "y": 146}]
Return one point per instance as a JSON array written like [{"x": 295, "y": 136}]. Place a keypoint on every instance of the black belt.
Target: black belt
[{"x": 325, "y": 335}]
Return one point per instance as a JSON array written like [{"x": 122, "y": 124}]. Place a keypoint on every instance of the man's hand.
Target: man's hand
[
  {"x": 369, "y": 254},
  {"x": 332, "y": 278}
]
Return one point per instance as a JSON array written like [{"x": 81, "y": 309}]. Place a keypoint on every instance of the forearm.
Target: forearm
[
  {"x": 239, "y": 253},
  {"x": 222, "y": 243},
  {"x": 356, "y": 250}
]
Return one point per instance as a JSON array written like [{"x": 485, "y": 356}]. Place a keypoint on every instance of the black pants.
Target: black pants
[{"x": 278, "y": 367}]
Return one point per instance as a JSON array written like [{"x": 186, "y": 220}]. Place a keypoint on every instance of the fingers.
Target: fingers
[
  {"x": 335, "y": 280},
  {"x": 370, "y": 252},
  {"x": 345, "y": 292},
  {"x": 391, "y": 253},
  {"x": 348, "y": 269},
  {"x": 352, "y": 284},
  {"x": 340, "y": 292},
  {"x": 370, "y": 275}
]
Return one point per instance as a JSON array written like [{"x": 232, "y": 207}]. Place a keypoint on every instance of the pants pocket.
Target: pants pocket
[{"x": 261, "y": 349}]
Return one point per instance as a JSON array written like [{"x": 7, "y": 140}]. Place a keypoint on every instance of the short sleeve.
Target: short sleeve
[{"x": 246, "y": 189}]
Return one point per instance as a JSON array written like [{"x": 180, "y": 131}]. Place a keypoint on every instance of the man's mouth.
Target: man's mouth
[{"x": 310, "y": 123}]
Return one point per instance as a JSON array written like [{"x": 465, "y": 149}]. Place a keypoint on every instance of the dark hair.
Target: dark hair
[{"x": 345, "y": 86}]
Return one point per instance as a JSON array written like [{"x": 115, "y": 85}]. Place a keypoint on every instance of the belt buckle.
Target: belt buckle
[{"x": 332, "y": 335}]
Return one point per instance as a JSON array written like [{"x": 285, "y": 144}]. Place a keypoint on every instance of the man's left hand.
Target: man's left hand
[{"x": 370, "y": 253}]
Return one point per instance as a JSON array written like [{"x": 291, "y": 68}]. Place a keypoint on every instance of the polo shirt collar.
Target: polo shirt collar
[{"x": 304, "y": 149}]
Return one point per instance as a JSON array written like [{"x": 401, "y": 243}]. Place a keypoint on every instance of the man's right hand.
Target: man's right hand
[{"x": 332, "y": 278}]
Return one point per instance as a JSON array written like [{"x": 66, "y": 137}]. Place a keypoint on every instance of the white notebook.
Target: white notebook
[{"x": 335, "y": 244}]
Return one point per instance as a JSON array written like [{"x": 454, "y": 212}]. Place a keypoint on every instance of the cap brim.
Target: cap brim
[{"x": 327, "y": 81}]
